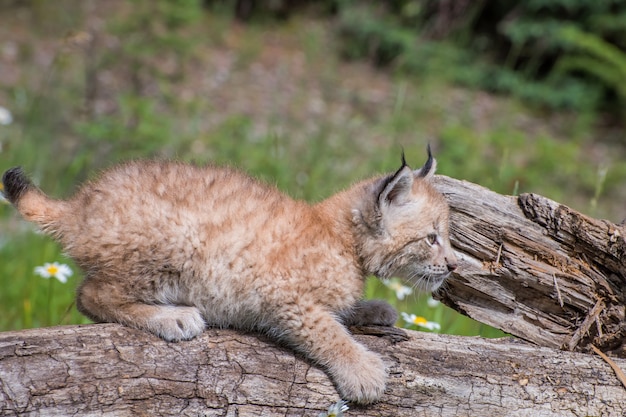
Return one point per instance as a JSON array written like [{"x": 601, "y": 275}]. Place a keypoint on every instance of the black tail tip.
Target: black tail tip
[{"x": 15, "y": 184}]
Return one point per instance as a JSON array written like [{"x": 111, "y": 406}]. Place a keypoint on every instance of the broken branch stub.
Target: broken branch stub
[{"x": 537, "y": 269}]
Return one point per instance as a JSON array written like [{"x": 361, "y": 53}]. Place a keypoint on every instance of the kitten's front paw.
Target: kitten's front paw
[
  {"x": 362, "y": 381},
  {"x": 174, "y": 323},
  {"x": 371, "y": 313}
]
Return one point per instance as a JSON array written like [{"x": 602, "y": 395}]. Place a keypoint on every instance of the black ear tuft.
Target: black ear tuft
[
  {"x": 404, "y": 164},
  {"x": 16, "y": 183},
  {"x": 429, "y": 167},
  {"x": 429, "y": 163}
]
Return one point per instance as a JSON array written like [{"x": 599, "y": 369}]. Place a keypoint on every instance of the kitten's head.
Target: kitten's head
[{"x": 402, "y": 228}]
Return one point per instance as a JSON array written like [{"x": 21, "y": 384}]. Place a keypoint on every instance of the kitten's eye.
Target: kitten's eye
[{"x": 431, "y": 238}]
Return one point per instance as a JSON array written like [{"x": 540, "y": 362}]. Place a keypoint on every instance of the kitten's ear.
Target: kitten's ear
[
  {"x": 389, "y": 191},
  {"x": 428, "y": 170},
  {"x": 396, "y": 188}
]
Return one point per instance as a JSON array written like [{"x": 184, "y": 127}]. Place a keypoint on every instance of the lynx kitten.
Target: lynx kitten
[{"x": 172, "y": 248}]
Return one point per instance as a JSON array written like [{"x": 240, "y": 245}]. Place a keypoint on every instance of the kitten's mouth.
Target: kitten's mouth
[
  {"x": 430, "y": 282},
  {"x": 427, "y": 282},
  {"x": 435, "y": 281}
]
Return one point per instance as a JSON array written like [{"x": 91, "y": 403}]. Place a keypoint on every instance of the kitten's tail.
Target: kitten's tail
[{"x": 30, "y": 201}]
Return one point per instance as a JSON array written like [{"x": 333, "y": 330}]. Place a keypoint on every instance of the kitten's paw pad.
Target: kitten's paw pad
[
  {"x": 363, "y": 381},
  {"x": 177, "y": 323}
]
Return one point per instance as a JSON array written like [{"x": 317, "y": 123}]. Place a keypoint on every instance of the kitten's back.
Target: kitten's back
[{"x": 155, "y": 206}]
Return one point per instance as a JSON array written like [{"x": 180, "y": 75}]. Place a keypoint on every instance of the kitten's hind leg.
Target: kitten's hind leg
[
  {"x": 105, "y": 302},
  {"x": 359, "y": 374},
  {"x": 370, "y": 313}
]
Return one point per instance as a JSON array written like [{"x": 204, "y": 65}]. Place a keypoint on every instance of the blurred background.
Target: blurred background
[{"x": 518, "y": 96}]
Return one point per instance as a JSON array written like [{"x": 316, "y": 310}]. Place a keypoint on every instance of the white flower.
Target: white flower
[
  {"x": 335, "y": 410},
  {"x": 55, "y": 270},
  {"x": 432, "y": 303},
  {"x": 401, "y": 290},
  {"x": 420, "y": 321},
  {"x": 6, "y": 118}
]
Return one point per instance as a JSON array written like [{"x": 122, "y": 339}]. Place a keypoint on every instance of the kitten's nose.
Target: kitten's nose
[{"x": 451, "y": 265}]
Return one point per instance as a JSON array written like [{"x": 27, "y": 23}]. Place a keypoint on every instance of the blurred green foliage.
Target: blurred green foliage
[
  {"x": 551, "y": 53},
  {"x": 62, "y": 134}
]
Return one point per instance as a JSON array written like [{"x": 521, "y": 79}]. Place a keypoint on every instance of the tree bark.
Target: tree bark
[
  {"x": 108, "y": 369},
  {"x": 537, "y": 269}
]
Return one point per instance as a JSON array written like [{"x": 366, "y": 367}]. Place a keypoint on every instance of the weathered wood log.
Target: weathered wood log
[
  {"x": 537, "y": 269},
  {"x": 108, "y": 369}
]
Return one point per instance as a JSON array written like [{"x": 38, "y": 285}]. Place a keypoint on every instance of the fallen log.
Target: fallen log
[
  {"x": 537, "y": 269},
  {"x": 108, "y": 369}
]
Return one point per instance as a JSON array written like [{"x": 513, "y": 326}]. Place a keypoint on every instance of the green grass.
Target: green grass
[
  {"x": 27, "y": 299},
  {"x": 309, "y": 154}
]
